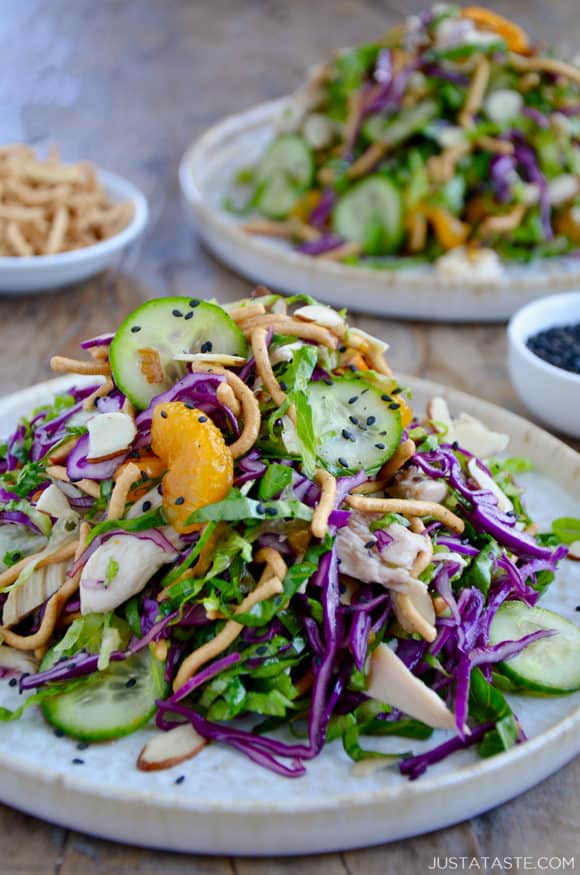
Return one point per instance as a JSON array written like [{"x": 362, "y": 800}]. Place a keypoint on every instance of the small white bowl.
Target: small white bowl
[
  {"x": 551, "y": 393},
  {"x": 40, "y": 273}
]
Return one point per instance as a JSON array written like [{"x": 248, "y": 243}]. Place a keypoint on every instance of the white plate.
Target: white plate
[
  {"x": 227, "y": 805},
  {"x": 40, "y": 273},
  {"x": 206, "y": 174}
]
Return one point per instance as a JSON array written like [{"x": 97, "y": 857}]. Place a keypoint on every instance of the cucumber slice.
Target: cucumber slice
[
  {"x": 395, "y": 130},
  {"x": 168, "y": 326},
  {"x": 550, "y": 665},
  {"x": 372, "y": 211},
  {"x": 278, "y": 196},
  {"x": 115, "y": 703},
  {"x": 354, "y": 425},
  {"x": 289, "y": 154}
]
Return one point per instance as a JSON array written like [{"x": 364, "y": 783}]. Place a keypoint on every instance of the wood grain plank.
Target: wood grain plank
[{"x": 28, "y": 845}]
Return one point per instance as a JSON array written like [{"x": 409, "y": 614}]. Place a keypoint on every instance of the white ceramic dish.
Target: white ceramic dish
[
  {"x": 227, "y": 805},
  {"x": 206, "y": 173},
  {"x": 41, "y": 273},
  {"x": 551, "y": 393}
]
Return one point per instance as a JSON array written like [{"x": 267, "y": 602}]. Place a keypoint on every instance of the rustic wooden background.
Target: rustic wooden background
[{"x": 130, "y": 84}]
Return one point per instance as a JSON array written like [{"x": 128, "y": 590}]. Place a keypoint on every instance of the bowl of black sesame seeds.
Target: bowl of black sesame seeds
[{"x": 544, "y": 360}]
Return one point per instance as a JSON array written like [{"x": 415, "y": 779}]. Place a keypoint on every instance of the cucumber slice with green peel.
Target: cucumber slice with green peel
[
  {"x": 371, "y": 213},
  {"x": 549, "y": 666},
  {"x": 165, "y": 327},
  {"x": 288, "y": 154},
  {"x": 395, "y": 130},
  {"x": 353, "y": 424},
  {"x": 278, "y": 196},
  {"x": 113, "y": 703}
]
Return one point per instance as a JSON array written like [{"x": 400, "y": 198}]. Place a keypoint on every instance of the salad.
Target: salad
[
  {"x": 452, "y": 139},
  {"x": 236, "y": 525}
]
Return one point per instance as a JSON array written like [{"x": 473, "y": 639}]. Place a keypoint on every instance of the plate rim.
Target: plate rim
[{"x": 561, "y": 730}]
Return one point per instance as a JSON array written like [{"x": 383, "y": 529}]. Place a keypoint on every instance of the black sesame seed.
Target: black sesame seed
[
  {"x": 342, "y": 462},
  {"x": 394, "y": 406},
  {"x": 194, "y": 303},
  {"x": 455, "y": 445},
  {"x": 346, "y": 434},
  {"x": 383, "y": 433},
  {"x": 370, "y": 544},
  {"x": 144, "y": 476},
  {"x": 271, "y": 511},
  {"x": 83, "y": 745},
  {"x": 202, "y": 419},
  {"x": 180, "y": 780},
  {"x": 12, "y": 682},
  {"x": 327, "y": 381},
  {"x": 261, "y": 649},
  {"x": 371, "y": 420},
  {"x": 396, "y": 391},
  {"x": 207, "y": 346},
  {"x": 188, "y": 315},
  {"x": 189, "y": 405},
  {"x": 364, "y": 391},
  {"x": 260, "y": 507},
  {"x": 353, "y": 419},
  {"x": 59, "y": 733},
  {"x": 342, "y": 348},
  {"x": 135, "y": 329},
  {"x": 146, "y": 506},
  {"x": 386, "y": 398},
  {"x": 353, "y": 368},
  {"x": 164, "y": 414},
  {"x": 283, "y": 385},
  {"x": 180, "y": 500},
  {"x": 176, "y": 313},
  {"x": 578, "y": 607},
  {"x": 77, "y": 761},
  {"x": 380, "y": 446},
  {"x": 353, "y": 400},
  {"x": 132, "y": 682},
  {"x": 559, "y": 346}
]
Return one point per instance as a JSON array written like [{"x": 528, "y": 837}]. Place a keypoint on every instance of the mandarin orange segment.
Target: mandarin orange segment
[{"x": 200, "y": 466}]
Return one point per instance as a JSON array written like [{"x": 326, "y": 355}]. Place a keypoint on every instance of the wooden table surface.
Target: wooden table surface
[{"x": 129, "y": 84}]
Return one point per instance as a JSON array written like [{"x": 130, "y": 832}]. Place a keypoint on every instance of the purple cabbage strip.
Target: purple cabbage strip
[
  {"x": 502, "y": 170},
  {"x": 99, "y": 340},
  {"x": 438, "y": 72},
  {"x": 198, "y": 389},
  {"x": 325, "y": 243},
  {"x": 251, "y": 467},
  {"x": 526, "y": 158},
  {"x": 414, "y": 767},
  {"x": 538, "y": 117},
  {"x": 203, "y": 676},
  {"x": 78, "y": 467},
  {"x": 383, "y": 539},
  {"x": 18, "y": 517},
  {"x": 506, "y": 649},
  {"x": 321, "y": 213}
]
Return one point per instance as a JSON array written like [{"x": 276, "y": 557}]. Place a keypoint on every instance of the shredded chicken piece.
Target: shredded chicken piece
[
  {"x": 413, "y": 484},
  {"x": 391, "y": 567}
]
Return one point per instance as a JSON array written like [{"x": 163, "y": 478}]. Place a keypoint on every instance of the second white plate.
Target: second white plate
[{"x": 206, "y": 173}]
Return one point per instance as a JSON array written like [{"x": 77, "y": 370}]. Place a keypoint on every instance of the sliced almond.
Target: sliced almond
[
  {"x": 574, "y": 551},
  {"x": 484, "y": 481},
  {"x": 168, "y": 749},
  {"x": 473, "y": 435},
  {"x": 54, "y": 502},
  {"x": 439, "y": 416},
  {"x": 325, "y": 316},
  {"x": 391, "y": 682},
  {"x": 109, "y": 435},
  {"x": 211, "y": 358}
]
